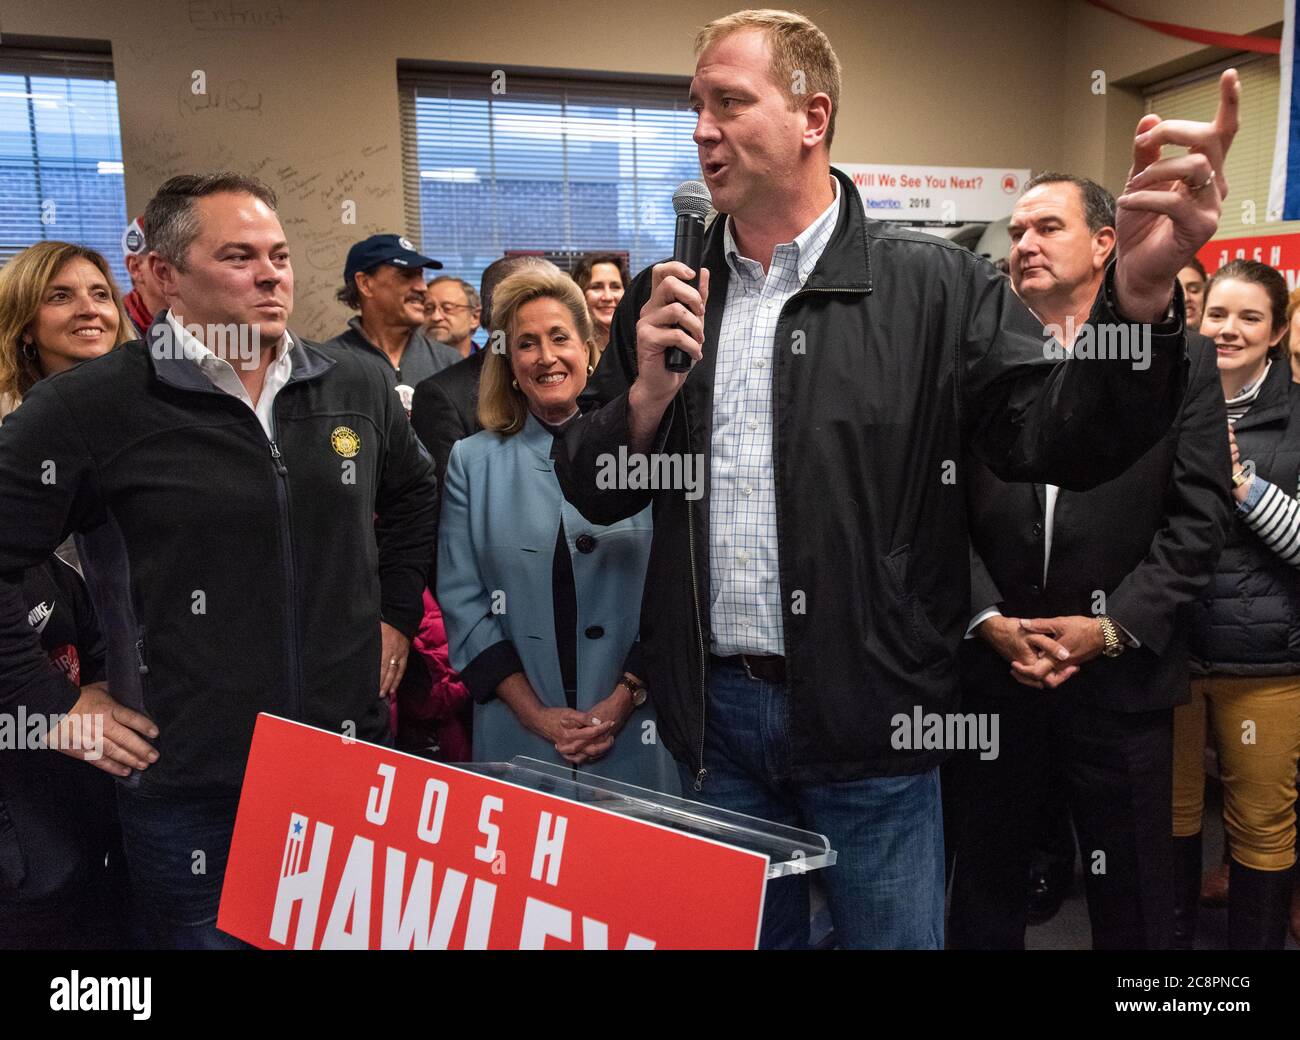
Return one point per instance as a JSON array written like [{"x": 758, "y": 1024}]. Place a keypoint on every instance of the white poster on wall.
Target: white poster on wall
[{"x": 946, "y": 194}]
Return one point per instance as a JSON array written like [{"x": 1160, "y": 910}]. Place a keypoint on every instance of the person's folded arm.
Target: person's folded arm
[
  {"x": 447, "y": 691},
  {"x": 437, "y": 422},
  {"x": 1074, "y": 422},
  {"x": 48, "y": 488},
  {"x": 478, "y": 643},
  {"x": 1275, "y": 517},
  {"x": 633, "y": 663},
  {"x": 92, "y": 648},
  {"x": 406, "y": 527},
  {"x": 1185, "y": 550},
  {"x": 985, "y": 596},
  {"x": 484, "y": 675},
  {"x": 590, "y": 446}
]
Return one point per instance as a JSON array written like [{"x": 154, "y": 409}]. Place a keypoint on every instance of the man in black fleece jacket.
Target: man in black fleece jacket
[{"x": 225, "y": 477}]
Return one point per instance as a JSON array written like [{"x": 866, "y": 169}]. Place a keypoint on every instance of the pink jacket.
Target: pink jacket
[{"x": 441, "y": 713}]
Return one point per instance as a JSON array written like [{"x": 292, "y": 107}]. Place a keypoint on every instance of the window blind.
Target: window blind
[
  {"x": 1250, "y": 160},
  {"x": 495, "y": 162},
  {"x": 60, "y": 154}
]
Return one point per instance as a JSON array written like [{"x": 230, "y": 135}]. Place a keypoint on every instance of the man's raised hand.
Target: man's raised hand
[{"x": 1170, "y": 206}]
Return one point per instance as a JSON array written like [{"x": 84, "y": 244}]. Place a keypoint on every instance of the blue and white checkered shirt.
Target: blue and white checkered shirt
[{"x": 744, "y": 579}]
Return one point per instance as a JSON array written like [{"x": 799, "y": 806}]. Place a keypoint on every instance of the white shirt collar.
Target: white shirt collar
[
  {"x": 1251, "y": 390},
  {"x": 196, "y": 351},
  {"x": 807, "y": 258}
]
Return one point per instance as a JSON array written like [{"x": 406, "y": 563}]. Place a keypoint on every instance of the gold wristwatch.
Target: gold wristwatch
[
  {"x": 635, "y": 688},
  {"x": 1113, "y": 645}
]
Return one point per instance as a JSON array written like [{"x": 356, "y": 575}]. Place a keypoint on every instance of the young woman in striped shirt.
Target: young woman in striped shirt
[{"x": 1246, "y": 631}]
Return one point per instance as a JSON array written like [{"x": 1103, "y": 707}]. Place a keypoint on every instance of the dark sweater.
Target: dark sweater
[{"x": 58, "y": 817}]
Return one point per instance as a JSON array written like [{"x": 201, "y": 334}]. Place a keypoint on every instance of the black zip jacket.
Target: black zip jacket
[
  {"x": 233, "y": 574},
  {"x": 900, "y": 352},
  {"x": 1248, "y": 621}
]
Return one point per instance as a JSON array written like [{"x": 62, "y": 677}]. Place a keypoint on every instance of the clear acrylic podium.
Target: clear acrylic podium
[{"x": 788, "y": 849}]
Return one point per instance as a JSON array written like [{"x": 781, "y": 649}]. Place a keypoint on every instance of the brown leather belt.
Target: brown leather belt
[{"x": 767, "y": 668}]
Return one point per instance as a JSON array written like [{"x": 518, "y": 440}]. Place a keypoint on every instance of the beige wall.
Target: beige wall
[
  {"x": 1100, "y": 144},
  {"x": 304, "y": 94}
]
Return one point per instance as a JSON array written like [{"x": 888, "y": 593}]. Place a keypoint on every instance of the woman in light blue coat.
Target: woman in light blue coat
[{"x": 542, "y": 608}]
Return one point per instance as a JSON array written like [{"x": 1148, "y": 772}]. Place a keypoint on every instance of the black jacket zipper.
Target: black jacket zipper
[
  {"x": 290, "y": 577},
  {"x": 701, "y": 773},
  {"x": 141, "y": 667},
  {"x": 776, "y": 467},
  {"x": 133, "y": 778},
  {"x": 286, "y": 540}
]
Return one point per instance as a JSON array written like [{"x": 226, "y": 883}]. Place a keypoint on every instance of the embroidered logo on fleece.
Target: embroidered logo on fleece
[{"x": 345, "y": 441}]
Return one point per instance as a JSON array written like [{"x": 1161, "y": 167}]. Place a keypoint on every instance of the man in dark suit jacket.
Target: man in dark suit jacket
[
  {"x": 444, "y": 408},
  {"x": 1076, "y": 637}
]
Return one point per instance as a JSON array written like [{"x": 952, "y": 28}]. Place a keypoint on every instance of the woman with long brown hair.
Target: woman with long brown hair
[
  {"x": 603, "y": 278},
  {"x": 62, "y": 883},
  {"x": 1245, "y": 632},
  {"x": 59, "y": 306}
]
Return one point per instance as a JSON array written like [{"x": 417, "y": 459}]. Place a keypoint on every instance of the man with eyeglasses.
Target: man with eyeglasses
[
  {"x": 451, "y": 313},
  {"x": 383, "y": 279}
]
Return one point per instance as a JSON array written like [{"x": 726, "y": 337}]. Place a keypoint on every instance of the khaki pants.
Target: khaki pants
[{"x": 1257, "y": 730}]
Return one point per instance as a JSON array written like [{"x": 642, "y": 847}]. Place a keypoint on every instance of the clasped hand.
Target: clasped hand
[
  {"x": 581, "y": 737},
  {"x": 1044, "y": 652}
]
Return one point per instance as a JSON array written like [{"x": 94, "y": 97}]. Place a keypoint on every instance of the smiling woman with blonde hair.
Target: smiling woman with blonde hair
[
  {"x": 502, "y": 405},
  {"x": 542, "y": 607},
  {"x": 59, "y": 306}
]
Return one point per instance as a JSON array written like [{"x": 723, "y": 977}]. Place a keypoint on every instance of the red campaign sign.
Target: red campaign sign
[
  {"x": 1280, "y": 251},
  {"x": 343, "y": 844}
]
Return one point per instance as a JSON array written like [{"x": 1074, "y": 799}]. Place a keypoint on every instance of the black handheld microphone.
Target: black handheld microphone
[{"x": 692, "y": 202}]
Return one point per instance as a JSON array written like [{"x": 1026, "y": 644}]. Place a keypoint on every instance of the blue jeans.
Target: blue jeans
[
  {"x": 886, "y": 888},
  {"x": 176, "y": 852}
]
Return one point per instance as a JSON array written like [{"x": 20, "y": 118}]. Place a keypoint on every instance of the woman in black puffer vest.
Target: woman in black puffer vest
[{"x": 1246, "y": 631}]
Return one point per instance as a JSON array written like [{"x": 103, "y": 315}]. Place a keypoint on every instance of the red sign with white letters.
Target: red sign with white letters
[
  {"x": 1280, "y": 251},
  {"x": 343, "y": 844}
]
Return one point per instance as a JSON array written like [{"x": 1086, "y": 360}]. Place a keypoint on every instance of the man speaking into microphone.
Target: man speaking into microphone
[{"x": 816, "y": 594}]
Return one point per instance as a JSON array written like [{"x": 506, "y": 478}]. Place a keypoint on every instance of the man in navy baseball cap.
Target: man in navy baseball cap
[
  {"x": 383, "y": 279},
  {"x": 397, "y": 250}
]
